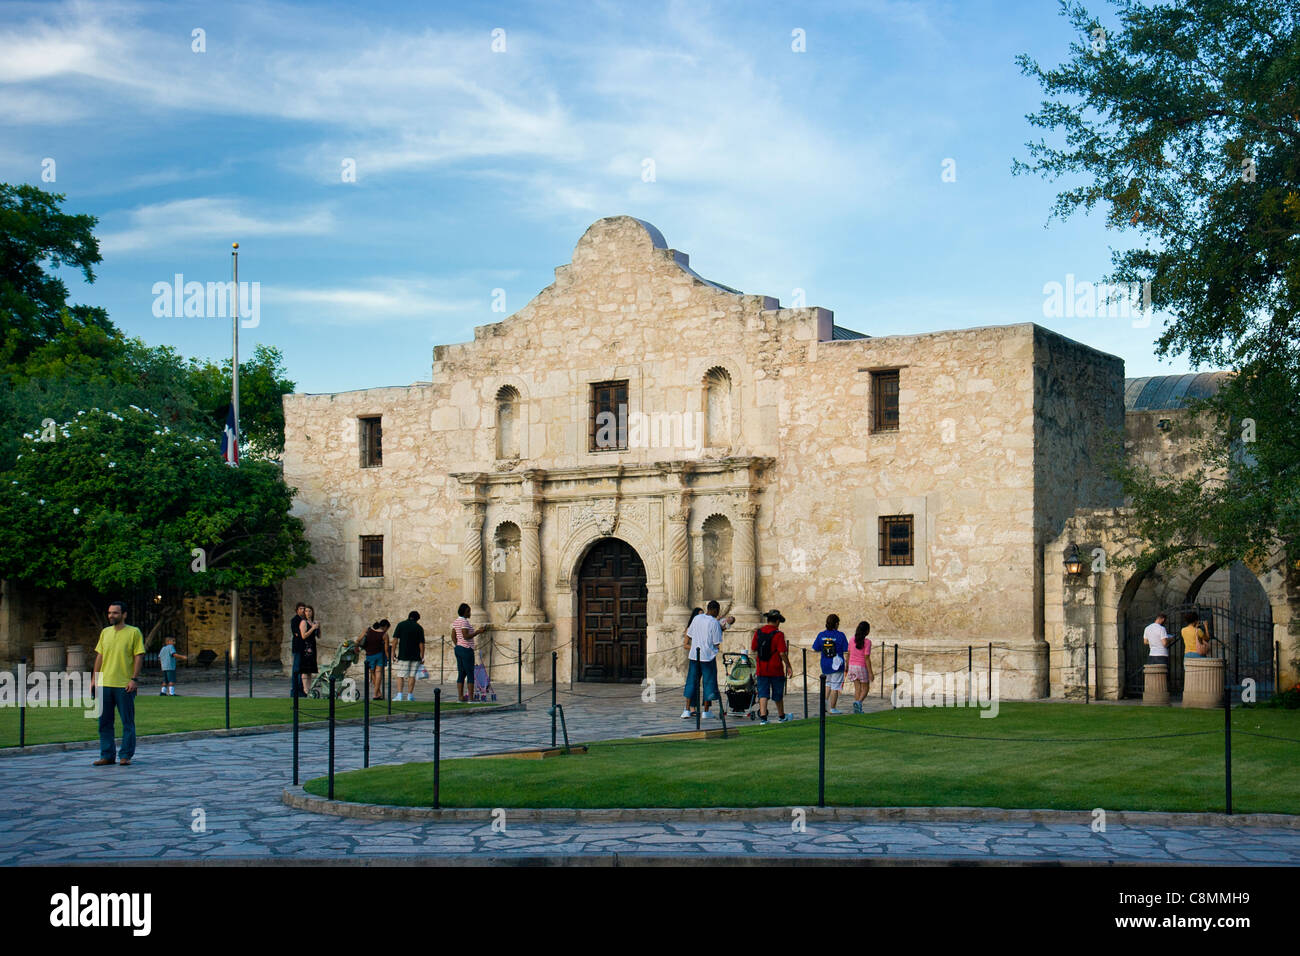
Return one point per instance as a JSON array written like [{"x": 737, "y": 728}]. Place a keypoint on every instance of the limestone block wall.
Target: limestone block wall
[
  {"x": 961, "y": 462},
  {"x": 207, "y": 624}
]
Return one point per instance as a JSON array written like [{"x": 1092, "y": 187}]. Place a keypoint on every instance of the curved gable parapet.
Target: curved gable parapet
[{"x": 620, "y": 239}]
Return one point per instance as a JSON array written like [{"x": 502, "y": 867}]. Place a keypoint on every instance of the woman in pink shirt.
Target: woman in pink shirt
[
  {"x": 860, "y": 664},
  {"x": 464, "y": 632}
]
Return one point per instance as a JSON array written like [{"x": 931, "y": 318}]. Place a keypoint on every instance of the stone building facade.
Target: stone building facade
[{"x": 638, "y": 440}]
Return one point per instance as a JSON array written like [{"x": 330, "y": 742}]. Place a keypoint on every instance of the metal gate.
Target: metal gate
[{"x": 1244, "y": 642}]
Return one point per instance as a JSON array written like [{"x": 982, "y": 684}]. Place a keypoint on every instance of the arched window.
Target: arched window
[
  {"x": 717, "y": 408},
  {"x": 507, "y": 422}
]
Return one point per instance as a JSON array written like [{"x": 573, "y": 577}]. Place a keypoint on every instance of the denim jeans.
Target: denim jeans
[
  {"x": 116, "y": 698},
  {"x": 706, "y": 672}
]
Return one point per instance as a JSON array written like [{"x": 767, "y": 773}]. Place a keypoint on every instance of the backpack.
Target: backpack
[
  {"x": 764, "y": 642},
  {"x": 829, "y": 653}
]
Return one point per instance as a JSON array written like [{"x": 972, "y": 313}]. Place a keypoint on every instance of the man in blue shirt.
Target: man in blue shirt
[{"x": 833, "y": 646}]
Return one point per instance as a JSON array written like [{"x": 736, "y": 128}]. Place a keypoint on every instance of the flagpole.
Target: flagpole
[{"x": 234, "y": 402}]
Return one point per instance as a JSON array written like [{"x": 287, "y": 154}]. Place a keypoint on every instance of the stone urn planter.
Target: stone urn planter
[
  {"x": 1203, "y": 682},
  {"x": 48, "y": 656},
  {"x": 76, "y": 658},
  {"x": 1155, "y": 687}
]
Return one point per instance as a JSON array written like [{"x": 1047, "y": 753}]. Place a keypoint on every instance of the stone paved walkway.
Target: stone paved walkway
[{"x": 56, "y": 808}]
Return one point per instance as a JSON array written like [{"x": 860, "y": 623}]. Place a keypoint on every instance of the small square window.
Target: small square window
[
  {"x": 884, "y": 400},
  {"x": 608, "y": 425},
  {"x": 372, "y": 443},
  {"x": 372, "y": 555},
  {"x": 896, "y": 541}
]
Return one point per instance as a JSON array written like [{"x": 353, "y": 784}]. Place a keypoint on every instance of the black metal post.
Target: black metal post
[
  {"x": 821, "y": 747},
  {"x": 519, "y": 672},
  {"x": 805, "y": 682},
  {"x": 554, "y": 657},
  {"x": 699, "y": 694},
  {"x": 970, "y": 669},
  {"x": 990, "y": 687},
  {"x": 1236, "y": 661},
  {"x": 437, "y": 748},
  {"x": 250, "y": 670},
  {"x": 895, "y": 669},
  {"x": 1227, "y": 748},
  {"x": 227, "y": 690},
  {"x": 1087, "y": 682},
  {"x": 295, "y": 737},
  {"x": 22, "y": 702},
  {"x": 365, "y": 718},
  {"x": 389, "y": 661},
  {"x": 331, "y": 737},
  {"x": 883, "y": 645}
]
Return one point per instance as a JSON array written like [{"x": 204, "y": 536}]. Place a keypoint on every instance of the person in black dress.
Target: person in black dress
[{"x": 308, "y": 631}]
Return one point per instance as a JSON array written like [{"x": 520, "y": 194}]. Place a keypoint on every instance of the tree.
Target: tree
[
  {"x": 34, "y": 232},
  {"x": 106, "y": 502},
  {"x": 262, "y": 386},
  {"x": 1184, "y": 124}
]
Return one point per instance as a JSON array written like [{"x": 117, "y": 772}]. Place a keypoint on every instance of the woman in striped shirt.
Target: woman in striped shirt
[{"x": 464, "y": 633}]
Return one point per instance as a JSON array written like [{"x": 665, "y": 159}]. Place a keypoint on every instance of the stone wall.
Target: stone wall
[{"x": 207, "y": 624}]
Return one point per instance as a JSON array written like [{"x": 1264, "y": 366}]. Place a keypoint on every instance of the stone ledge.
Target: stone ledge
[
  {"x": 30, "y": 749},
  {"x": 299, "y": 799}
]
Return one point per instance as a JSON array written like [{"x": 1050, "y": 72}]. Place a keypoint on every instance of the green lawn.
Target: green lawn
[
  {"x": 777, "y": 765},
  {"x": 167, "y": 715}
]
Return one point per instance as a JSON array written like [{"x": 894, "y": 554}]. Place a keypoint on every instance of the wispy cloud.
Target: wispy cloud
[
  {"x": 380, "y": 299},
  {"x": 209, "y": 219}
]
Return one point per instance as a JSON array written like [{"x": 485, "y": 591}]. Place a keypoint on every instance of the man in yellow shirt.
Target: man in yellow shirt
[{"x": 118, "y": 657}]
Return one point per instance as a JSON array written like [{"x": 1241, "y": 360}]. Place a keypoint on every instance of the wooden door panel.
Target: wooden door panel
[{"x": 612, "y": 614}]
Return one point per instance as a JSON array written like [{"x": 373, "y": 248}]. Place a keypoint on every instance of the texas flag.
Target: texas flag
[{"x": 230, "y": 441}]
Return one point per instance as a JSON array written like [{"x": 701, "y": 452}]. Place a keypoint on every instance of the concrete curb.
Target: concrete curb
[
  {"x": 32, "y": 749},
  {"x": 299, "y": 799},
  {"x": 617, "y": 859}
]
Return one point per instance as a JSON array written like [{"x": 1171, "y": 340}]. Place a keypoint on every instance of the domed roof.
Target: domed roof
[{"x": 1170, "y": 391}]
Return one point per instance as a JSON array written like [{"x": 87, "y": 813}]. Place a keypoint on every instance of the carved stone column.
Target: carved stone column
[
  {"x": 530, "y": 569},
  {"x": 679, "y": 566},
  {"x": 744, "y": 564},
  {"x": 472, "y": 565}
]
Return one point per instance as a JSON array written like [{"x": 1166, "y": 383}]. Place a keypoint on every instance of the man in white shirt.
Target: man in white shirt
[
  {"x": 705, "y": 636},
  {"x": 1156, "y": 638}
]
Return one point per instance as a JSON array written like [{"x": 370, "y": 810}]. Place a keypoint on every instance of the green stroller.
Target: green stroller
[{"x": 347, "y": 655}]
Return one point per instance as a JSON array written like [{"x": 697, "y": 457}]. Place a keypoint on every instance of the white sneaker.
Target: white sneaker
[
  {"x": 708, "y": 714},
  {"x": 834, "y": 711},
  {"x": 686, "y": 714}
]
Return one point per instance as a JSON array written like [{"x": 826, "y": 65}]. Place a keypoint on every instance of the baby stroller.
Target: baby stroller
[
  {"x": 739, "y": 685},
  {"x": 344, "y": 658},
  {"x": 482, "y": 685}
]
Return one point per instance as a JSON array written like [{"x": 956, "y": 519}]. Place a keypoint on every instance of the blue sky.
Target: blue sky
[{"x": 478, "y": 170}]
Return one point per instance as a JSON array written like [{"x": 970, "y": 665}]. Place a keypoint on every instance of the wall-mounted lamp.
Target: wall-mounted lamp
[{"x": 1073, "y": 563}]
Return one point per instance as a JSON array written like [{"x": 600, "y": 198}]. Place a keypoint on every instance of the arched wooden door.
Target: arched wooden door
[{"x": 612, "y": 614}]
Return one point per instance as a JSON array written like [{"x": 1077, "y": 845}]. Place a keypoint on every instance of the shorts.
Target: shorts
[
  {"x": 835, "y": 680},
  {"x": 376, "y": 661},
  {"x": 405, "y": 668},
  {"x": 858, "y": 673},
  {"x": 771, "y": 688},
  {"x": 169, "y": 677},
  {"x": 464, "y": 664}
]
